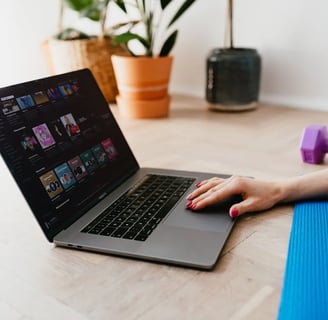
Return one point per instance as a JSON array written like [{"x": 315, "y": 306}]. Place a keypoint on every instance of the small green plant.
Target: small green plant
[
  {"x": 151, "y": 26},
  {"x": 93, "y": 10}
]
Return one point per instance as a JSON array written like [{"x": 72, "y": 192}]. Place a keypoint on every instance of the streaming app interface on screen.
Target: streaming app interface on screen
[{"x": 62, "y": 146}]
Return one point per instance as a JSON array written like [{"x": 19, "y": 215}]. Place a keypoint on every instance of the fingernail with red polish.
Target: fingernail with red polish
[
  {"x": 234, "y": 213},
  {"x": 188, "y": 204},
  {"x": 193, "y": 207},
  {"x": 198, "y": 184}
]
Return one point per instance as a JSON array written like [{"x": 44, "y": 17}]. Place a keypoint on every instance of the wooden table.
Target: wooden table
[{"x": 40, "y": 281}]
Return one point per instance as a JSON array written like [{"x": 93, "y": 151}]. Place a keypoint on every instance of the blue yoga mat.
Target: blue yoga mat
[{"x": 305, "y": 288}]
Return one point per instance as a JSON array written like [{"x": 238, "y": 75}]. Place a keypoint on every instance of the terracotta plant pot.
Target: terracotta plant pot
[
  {"x": 95, "y": 54},
  {"x": 143, "y": 85}
]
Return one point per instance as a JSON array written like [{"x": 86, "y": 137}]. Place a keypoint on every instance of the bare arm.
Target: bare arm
[
  {"x": 258, "y": 195},
  {"x": 307, "y": 186}
]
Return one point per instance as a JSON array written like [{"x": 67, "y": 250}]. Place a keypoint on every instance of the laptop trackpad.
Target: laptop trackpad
[{"x": 214, "y": 218}]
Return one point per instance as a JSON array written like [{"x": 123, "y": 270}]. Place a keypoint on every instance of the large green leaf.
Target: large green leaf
[
  {"x": 93, "y": 13},
  {"x": 169, "y": 44},
  {"x": 184, "y": 7},
  {"x": 71, "y": 34},
  {"x": 78, "y": 5},
  {"x": 124, "y": 38}
]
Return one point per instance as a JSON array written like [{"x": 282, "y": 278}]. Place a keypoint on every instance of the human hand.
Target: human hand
[{"x": 257, "y": 195}]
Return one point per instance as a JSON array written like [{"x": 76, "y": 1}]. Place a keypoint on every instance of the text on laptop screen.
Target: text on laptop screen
[{"x": 62, "y": 145}]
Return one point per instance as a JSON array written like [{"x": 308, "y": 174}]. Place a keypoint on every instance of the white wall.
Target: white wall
[
  {"x": 291, "y": 37},
  {"x": 24, "y": 24}
]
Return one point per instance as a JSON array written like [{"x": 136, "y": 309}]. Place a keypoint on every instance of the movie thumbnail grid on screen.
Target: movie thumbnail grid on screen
[{"x": 66, "y": 175}]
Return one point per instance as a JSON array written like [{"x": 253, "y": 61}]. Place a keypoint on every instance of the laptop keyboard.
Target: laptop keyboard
[{"x": 138, "y": 212}]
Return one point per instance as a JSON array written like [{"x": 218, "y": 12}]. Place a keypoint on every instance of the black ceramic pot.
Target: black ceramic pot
[{"x": 233, "y": 79}]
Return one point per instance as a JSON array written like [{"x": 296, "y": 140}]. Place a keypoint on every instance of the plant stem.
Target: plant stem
[
  {"x": 147, "y": 20},
  {"x": 149, "y": 15},
  {"x": 103, "y": 14},
  {"x": 230, "y": 22},
  {"x": 153, "y": 25},
  {"x": 61, "y": 16}
]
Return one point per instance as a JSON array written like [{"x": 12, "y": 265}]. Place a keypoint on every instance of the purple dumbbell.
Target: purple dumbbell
[{"x": 314, "y": 143}]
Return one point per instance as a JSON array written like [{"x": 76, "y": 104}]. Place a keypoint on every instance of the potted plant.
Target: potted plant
[
  {"x": 72, "y": 49},
  {"x": 233, "y": 74},
  {"x": 143, "y": 75}
]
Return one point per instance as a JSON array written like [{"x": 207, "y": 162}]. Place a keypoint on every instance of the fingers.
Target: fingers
[
  {"x": 242, "y": 207},
  {"x": 204, "y": 186},
  {"x": 210, "y": 192},
  {"x": 251, "y": 203},
  {"x": 257, "y": 195}
]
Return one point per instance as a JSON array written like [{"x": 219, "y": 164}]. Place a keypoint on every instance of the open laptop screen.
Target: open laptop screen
[{"x": 62, "y": 145}]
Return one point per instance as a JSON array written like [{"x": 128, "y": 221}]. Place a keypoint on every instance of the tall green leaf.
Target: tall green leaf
[
  {"x": 120, "y": 4},
  {"x": 165, "y": 3},
  {"x": 181, "y": 10},
  {"x": 169, "y": 44}
]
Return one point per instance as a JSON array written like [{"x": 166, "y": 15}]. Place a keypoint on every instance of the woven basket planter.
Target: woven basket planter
[{"x": 69, "y": 55}]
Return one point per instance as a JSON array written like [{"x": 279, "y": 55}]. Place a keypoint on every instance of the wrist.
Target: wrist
[{"x": 285, "y": 191}]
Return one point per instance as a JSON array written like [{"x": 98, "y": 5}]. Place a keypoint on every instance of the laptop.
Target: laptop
[{"x": 84, "y": 186}]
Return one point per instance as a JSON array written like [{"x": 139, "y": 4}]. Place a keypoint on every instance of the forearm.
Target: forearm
[{"x": 308, "y": 186}]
